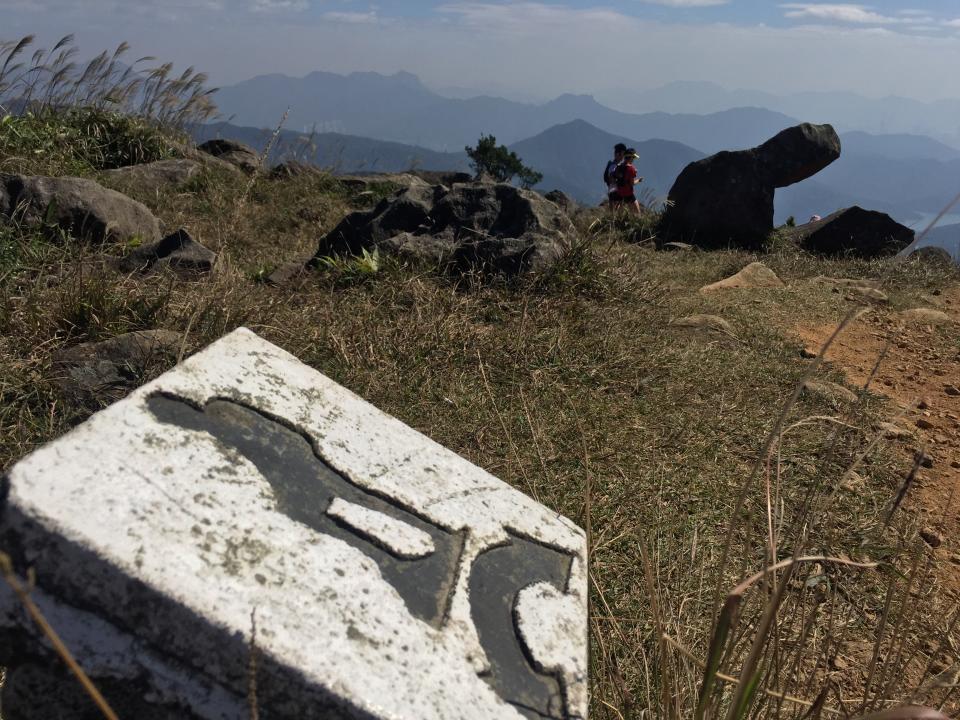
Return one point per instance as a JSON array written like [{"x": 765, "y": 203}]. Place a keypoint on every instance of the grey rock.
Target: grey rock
[
  {"x": 562, "y": 200},
  {"x": 727, "y": 198},
  {"x": 177, "y": 250},
  {"x": 293, "y": 169},
  {"x": 853, "y": 232},
  {"x": 362, "y": 183},
  {"x": 831, "y": 392},
  {"x": 926, "y": 315},
  {"x": 82, "y": 207},
  {"x": 676, "y": 246},
  {"x": 94, "y": 373},
  {"x": 236, "y": 153},
  {"x": 708, "y": 323},
  {"x": 494, "y": 227},
  {"x": 151, "y": 177},
  {"x": 754, "y": 275}
]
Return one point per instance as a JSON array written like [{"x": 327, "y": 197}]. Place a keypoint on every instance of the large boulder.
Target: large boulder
[
  {"x": 855, "y": 232},
  {"x": 82, "y": 207},
  {"x": 152, "y": 177},
  {"x": 491, "y": 226},
  {"x": 233, "y": 152},
  {"x": 727, "y": 198}
]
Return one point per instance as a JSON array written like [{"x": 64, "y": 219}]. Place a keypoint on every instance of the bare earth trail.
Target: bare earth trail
[{"x": 921, "y": 376}]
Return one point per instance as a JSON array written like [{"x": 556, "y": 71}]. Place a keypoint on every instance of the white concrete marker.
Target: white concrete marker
[{"x": 391, "y": 578}]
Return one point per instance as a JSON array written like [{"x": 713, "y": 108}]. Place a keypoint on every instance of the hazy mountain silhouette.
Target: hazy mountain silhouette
[
  {"x": 845, "y": 110},
  {"x": 401, "y": 109},
  {"x": 898, "y": 146},
  {"x": 337, "y": 152}
]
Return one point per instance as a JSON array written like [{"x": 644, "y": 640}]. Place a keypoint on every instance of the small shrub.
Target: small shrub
[{"x": 500, "y": 163}]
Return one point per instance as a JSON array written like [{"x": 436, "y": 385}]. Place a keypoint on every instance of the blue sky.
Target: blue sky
[{"x": 535, "y": 49}]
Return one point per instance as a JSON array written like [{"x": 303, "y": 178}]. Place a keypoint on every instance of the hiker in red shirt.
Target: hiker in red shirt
[{"x": 626, "y": 179}]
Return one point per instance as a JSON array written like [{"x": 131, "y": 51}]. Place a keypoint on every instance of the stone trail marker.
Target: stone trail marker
[{"x": 390, "y": 578}]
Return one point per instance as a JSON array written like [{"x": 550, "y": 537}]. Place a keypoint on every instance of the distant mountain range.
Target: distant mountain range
[
  {"x": 845, "y": 110},
  {"x": 401, "y": 109},
  {"x": 570, "y": 156},
  {"x": 569, "y": 139}
]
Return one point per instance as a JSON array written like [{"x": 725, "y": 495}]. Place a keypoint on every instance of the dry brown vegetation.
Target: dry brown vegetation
[{"x": 672, "y": 445}]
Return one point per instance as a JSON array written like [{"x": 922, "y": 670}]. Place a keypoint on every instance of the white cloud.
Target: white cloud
[
  {"x": 278, "y": 5},
  {"x": 952, "y": 23},
  {"x": 688, "y": 3},
  {"x": 351, "y": 18},
  {"x": 842, "y": 12}
]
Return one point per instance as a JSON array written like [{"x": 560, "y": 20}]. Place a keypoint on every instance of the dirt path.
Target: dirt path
[{"x": 922, "y": 368}]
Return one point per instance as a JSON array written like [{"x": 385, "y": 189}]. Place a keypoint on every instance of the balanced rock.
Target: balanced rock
[
  {"x": 495, "y": 227},
  {"x": 727, "y": 198},
  {"x": 178, "y": 250},
  {"x": 236, "y": 153},
  {"x": 855, "y": 232},
  {"x": 151, "y": 177},
  {"x": 79, "y": 206},
  {"x": 754, "y": 275}
]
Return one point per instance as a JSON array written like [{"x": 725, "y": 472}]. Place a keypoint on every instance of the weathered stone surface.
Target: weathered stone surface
[
  {"x": 361, "y": 183},
  {"x": 853, "y": 231},
  {"x": 926, "y": 315},
  {"x": 562, "y": 200},
  {"x": 95, "y": 373},
  {"x": 892, "y": 431},
  {"x": 829, "y": 391},
  {"x": 177, "y": 250},
  {"x": 233, "y": 152},
  {"x": 293, "y": 169},
  {"x": 676, "y": 247},
  {"x": 709, "y": 323},
  {"x": 727, "y": 198},
  {"x": 754, "y": 275},
  {"x": 494, "y": 227},
  {"x": 867, "y": 294},
  {"x": 389, "y": 577},
  {"x": 80, "y": 206},
  {"x": 155, "y": 176}
]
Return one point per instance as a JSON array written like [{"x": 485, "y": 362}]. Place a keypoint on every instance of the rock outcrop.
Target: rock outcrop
[
  {"x": 233, "y": 152},
  {"x": 727, "y": 198},
  {"x": 854, "y": 232},
  {"x": 177, "y": 250},
  {"x": 151, "y": 177},
  {"x": 97, "y": 373},
  {"x": 492, "y": 227},
  {"x": 81, "y": 207},
  {"x": 754, "y": 275}
]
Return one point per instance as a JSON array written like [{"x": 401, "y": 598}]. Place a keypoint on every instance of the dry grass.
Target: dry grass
[{"x": 546, "y": 384}]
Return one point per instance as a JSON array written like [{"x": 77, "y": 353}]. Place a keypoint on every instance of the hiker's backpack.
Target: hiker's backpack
[{"x": 608, "y": 172}]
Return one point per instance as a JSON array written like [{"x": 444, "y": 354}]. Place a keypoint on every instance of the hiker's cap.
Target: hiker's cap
[{"x": 631, "y": 153}]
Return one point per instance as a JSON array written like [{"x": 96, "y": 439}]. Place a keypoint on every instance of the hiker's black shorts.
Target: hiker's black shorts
[{"x": 616, "y": 199}]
